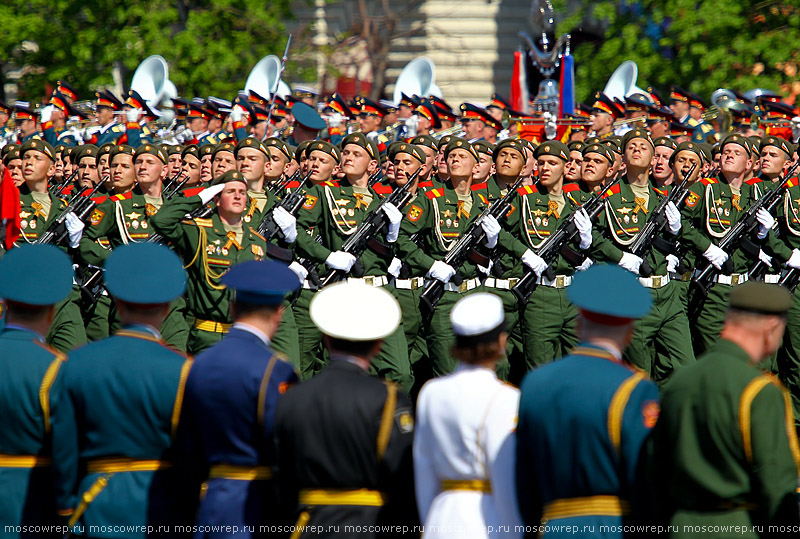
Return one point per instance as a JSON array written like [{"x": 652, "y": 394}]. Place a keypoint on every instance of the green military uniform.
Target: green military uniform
[
  {"x": 37, "y": 212},
  {"x": 334, "y": 213},
  {"x": 37, "y": 275},
  {"x": 724, "y": 451}
]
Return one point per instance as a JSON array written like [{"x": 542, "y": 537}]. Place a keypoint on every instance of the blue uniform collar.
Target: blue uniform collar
[
  {"x": 598, "y": 350},
  {"x": 263, "y": 337},
  {"x": 144, "y": 330},
  {"x": 23, "y": 328}
]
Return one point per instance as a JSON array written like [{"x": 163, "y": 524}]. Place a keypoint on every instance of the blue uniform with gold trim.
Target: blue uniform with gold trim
[
  {"x": 582, "y": 423},
  {"x": 116, "y": 405},
  {"x": 27, "y": 366},
  {"x": 226, "y": 432}
]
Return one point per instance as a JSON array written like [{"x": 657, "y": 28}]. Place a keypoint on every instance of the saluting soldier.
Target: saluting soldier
[
  {"x": 33, "y": 278},
  {"x": 587, "y": 475},
  {"x": 116, "y": 405},
  {"x": 219, "y": 441},
  {"x": 725, "y": 450},
  {"x": 346, "y": 461}
]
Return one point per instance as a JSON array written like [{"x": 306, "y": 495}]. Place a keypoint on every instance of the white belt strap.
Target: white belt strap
[
  {"x": 560, "y": 281},
  {"x": 465, "y": 286},
  {"x": 503, "y": 284},
  {"x": 656, "y": 281}
]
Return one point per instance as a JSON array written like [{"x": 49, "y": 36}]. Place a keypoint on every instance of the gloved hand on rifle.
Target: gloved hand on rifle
[
  {"x": 535, "y": 262},
  {"x": 766, "y": 220},
  {"x": 630, "y": 262},
  {"x": 584, "y": 226},
  {"x": 492, "y": 229},
  {"x": 394, "y": 267},
  {"x": 74, "y": 228},
  {"x": 395, "y": 218},
  {"x": 287, "y": 222},
  {"x": 441, "y": 271},
  {"x": 794, "y": 260},
  {"x": 716, "y": 256},
  {"x": 299, "y": 270},
  {"x": 339, "y": 260},
  {"x": 673, "y": 218}
]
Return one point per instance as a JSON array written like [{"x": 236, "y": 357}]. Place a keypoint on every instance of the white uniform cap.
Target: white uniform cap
[
  {"x": 355, "y": 312},
  {"x": 477, "y": 314}
]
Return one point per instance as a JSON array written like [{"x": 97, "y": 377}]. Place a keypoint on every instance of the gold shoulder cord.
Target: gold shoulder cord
[{"x": 202, "y": 242}]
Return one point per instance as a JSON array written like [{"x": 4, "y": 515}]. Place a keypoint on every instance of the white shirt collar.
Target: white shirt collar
[{"x": 254, "y": 330}]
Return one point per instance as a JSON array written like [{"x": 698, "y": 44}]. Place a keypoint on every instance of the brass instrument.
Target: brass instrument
[{"x": 457, "y": 130}]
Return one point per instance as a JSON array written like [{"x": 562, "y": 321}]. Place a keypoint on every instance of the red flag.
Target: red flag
[
  {"x": 9, "y": 209},
  {"x": 519, "y": 83}
]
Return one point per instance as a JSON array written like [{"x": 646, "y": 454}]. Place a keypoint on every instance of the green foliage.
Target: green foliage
[
  {"x": 210, "y": 45},
  {"x": 699, "y": 45}
]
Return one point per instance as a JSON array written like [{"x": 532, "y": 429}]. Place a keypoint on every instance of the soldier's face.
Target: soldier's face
[
  {"x": 679, "y": 108},
  {"x": 485, "y": 168},
  {"x": 321, "y": 165},
  {"x": 260, "y": 129},
  {"x": 87, "y": 168},
  {"x": 102, "y": 165},
  {"x": 233, "y": 198},
  {"x": 123, "y": 174},
  {"x": 368, "y": 122},
  {"x": 205, "y": 168},
  {"x": 222, "y": 163},
  {"x": 423, "y": 124},
  {"x": 404, "y": 166},
  {"x": 276, "y": 164},
  {"x": 251, "y": 163},
  {"x": 149, "y": 169},
  {"x": 104, "y": 115},
  {"x": 551, "y": 170},
  {"x": 191, "y": 169},
  {"x": 356, "y": 161},
  {"x": 15, "y": 169},
  {"x": 473, "y": 128},
  {"x": 734, "y": 160},
  {"x": 509, "y": 163},
  {"x": 441, "y": 164},
  {"x": 661, "y": 168},
  {"x": 638, "y": 154},
  {"x": 59, "y": 166},
  {"x": 430, "y": 159},
  {"x": 572, "y": 172},
  {"x": 37, "y": 166},
  {"x": 773, "y": 160},
  {"x": 600, "y": 120},
  {"x": 595, "y": 168},
  {"x": 461, "y": 164},
  {"x": 290, "y": 168},
  {"x": 683, "y": 162},
  {"x": 174, "y": 163}
]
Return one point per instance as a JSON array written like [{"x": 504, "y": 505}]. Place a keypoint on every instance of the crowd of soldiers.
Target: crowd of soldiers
[{"x": 459, "y": 245}]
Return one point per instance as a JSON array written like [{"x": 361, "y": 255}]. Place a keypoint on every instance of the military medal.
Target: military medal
[
  {"x": 727, "y": 212},
  {"x": 135, "y": 224},
  {"x": 247, "y": 218},
  {"x": 33, "y": 225},
  {"x": 449, "y": 222},
  {"x": 23, "y": 224},
  {"x": 635, "y": 218},
  {"x": 626, "y": 219},
  {"x": 144, "y": 225},
  {"x": 149, "y": 209},
  {"x": 455, "y": 223},
  {"x": 351, "y": 212},
  {"x": 545, "y": 221},
  {"x": 224, "y": 252},
  {"x": 538, "y": 221}
]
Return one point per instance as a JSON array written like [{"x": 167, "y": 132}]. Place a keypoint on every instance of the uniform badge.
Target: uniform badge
[
  {"x": 257, "y": 250},
  {"x": 97, "y": 216},
  {"x": 224, "y": 251},
  {"x": 414, "y": 213},
  {"x": 448, "y": 222},
  {"x": 310, "y": 202},
  {"x": 691, "y": 200},
  {"x": 545, "y": 221},
  {"x": 626, "y": 219},
  {"x": 351, "y": 212},
  {"x": 247, "y": 218},
  {"x": 405, "y": 421},
  {"x": 635, "y": 218},
  {"x": 149, "y": 209},
  {"x": 650, "y": 413},
  {"x": 135, "y": 224},
  {"x": 455, "y": 224},
  {"x": 23, "y": 225},
  {"x": 144, "y": 225},
  {"x": 33, "y": 224},
  {"x": 538, "y": 221}
]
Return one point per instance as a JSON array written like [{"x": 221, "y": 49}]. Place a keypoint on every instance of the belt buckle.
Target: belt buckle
[
  {"x": 735, "y": 279},
  {"x": 560, "y": 281},
  {"x": 368, "y": 280},
  {"x": 657, "y": 282},
  {"x": 463, "y": 286},
  {"x": 412, "y": 283},
  {"x": 512, "y": 282}
]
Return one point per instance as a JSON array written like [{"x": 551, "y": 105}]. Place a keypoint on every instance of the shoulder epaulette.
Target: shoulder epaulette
[
  {"x": 709, "y": 181},
  {"x": 67, "y": 190},
  {"x": 205, "y": 223},
  {"x": 526, "y": 190},
  {"x": 123, "y": 196},
  {"x": 382, "y": 189},
  {"x": 570, "y": 187},
  {"x": 793, "y": 182},
  {"x": 99, "y": 200},
  {"x": 293, "y": 185},
  {"x": 428, "y": 183},
  {"x": 613, "y": 191},
  {"x": 479, "y": 186},
  {"x": 662, "y": 192},
  {"x": 255, "y": 233},
  {"x": 192, "y": 191},
  {"x": 434, "y": 193},
  {"x": 331, "y": 183},
  {"x": 753, "y": 181},
  {"x": 483, "y": 198}
]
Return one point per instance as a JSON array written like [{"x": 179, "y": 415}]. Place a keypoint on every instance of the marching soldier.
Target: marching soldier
[
  {"x": 231, "y": 450},
  {"x": 116, "y": 405},
  {"x": 347, "y": 461},
  {"x": 197, "y": 119},
  {"x": 190, "y": 166},
  {"x": 25, "y": 121},
  {"x": 604, "y": 112},
  {"x": 725, "y": 450},
  {"x": 467, "y": 481},
  {"x": 110, "y": 130},
  {"x": 33, "y": 278},
  {"x": 586, "y": 475},
  {"x": 485, "y": 168},
  {"x": 662, "y": 175},
  {"x": 223, "y": 159}
]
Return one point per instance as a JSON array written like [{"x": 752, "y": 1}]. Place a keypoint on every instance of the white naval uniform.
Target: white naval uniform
[{"x": 465, "y": 431}]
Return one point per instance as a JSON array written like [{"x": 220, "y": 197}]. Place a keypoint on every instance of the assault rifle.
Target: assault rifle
[
  {"x": 56, "y": 188},
  {"x": 291, "y": 203},
  {"x": 81, "y": 206}
]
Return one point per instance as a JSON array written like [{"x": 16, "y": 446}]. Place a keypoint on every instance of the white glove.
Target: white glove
[
  {"x": 89, "y": 132},
  {"x": 395, "y": 218},
  {"x": 334, "y": 120},
  {"x": 441, "y": 271},
  {"x": 586, "y": 264},
  {"x": 534, "y": 261},
  {"x": 74, "y": 229},
  {"x": 299, "y": 270},
  {"x": 287, "y": 222},
  {"x": 210, "y": 192},
  {"x": 492, "y": 229},
  {"x": 794, "y": 260},
  {"x": 237, "y": 113},
  {"x": 133, "y": 115},
  {"x": 47, "y": 113},
  {"x": 716, "y": 256},
  {"x": 486, "y": 270},
  {"x": 394, "y": 267},
  {"x": 765, "y": 258},
  {"x": 673, "y": 218},
  {"x": 766, "y": 221},
  {"x": 630, "y": 262},
  {"x": 339, "y": 260},
  {"x": 672, "y": 263},
  {"x": 584, "y": 226}
]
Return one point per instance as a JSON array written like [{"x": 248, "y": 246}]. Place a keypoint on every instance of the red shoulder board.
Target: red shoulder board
[
  {"x": 67, "y": 190},
  {"x": 479, "y": 186},
  {"x": 331, "y": 183},
  {"x": 792, "y": 183},
  {"x": 753, "y": 181},
  {"x": 382, "y": 189},
  {"x": 434, "y": 193},
  {"x": 709, "y": 181},
  {"x": 293, "y": 185},
  {"x": 613, "y": 191},
  {"x": 123, "y": 139},
  {"x": 428, "y": 183},
  {"x": 570, "y": 187},
  {"x": 483, "y": 198},
  {"x": 662, "y": 192},
  {"x": 124, "y": 196},
  {"x": 192, "y": 191},
  {"x": 526, "y": 190},
  {"x": 99, "y": 200}
]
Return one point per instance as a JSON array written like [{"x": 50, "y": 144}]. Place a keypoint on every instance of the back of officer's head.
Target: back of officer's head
[
  {"x": 479, "y": 325},
  {"x": 756, "y": 318}
]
